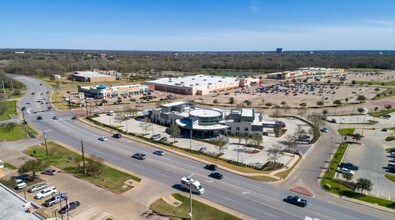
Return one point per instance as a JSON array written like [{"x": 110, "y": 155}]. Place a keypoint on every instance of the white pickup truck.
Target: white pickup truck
[{"x": 46, "y": 192}]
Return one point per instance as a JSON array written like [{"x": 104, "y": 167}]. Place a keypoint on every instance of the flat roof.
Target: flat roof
[
  {"x": 205, "y": 113},
  {"x": 12, "y": 206},
  {"x": 174, "y": 104},
  {"x": 247, "y": 112},
  {"x": 186, "y": 124},
  {"x": 198, "y": 81},
  {"x": 89, "y": 74}
]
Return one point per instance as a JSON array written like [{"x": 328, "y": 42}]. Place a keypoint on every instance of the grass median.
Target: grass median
[
  {"x": 10, "y": 109},
  {"x": 346, "y": 131},
  {"x": 67, "y": 160},
  {"x": 200, "y": 210}
]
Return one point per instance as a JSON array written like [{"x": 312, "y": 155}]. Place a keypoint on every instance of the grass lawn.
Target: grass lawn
[
  {"x": 390, "y": 177},
  {"x": 388, "y": 83},
  {"x": 381, "y": 112},
  {"x": 10, "y": 110},
  {"x": 64, "y": 159},
  {"x": 263, "y": 178},
  {"x": 346, "y": 131},
  {"x": 18, "y": 133},
  {"x": 340, "y": 189},
  {"x": 285, "y": 173},
  {"x": 200, "y": 210},
  {"x": 388, "y": 92}
]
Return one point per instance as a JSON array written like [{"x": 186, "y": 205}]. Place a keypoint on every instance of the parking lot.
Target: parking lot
[{"x": 371, "y": 157}]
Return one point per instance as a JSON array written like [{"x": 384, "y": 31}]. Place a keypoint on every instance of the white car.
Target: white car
[
  {"x": 37, "y": 187},
  {"x": 20, "y": 184},
  {"x": 46, "y": 192},
  {"x": 344, "y": 170},
  {"x": 102, "y": 138}
]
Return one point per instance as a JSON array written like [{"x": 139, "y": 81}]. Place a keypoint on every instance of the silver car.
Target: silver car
[{"x": 37, "y": 187}]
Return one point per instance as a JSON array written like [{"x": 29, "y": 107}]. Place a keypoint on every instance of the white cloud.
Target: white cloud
[
  {"x": 383, "y": 22},
  {"x": 255, "y": 7}
]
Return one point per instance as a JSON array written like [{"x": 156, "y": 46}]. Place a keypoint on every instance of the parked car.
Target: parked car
[
  {"x": 216, "y": 175},
  {"x": 46, "y": 192},
  {"x": 49, "y": 172},
  {"x": 37, "y": 187},
  {"x": 349, "y": 166},
  {"x": 139, "y": 156},
  {"x": 295, "y": 200},
  {"x": 118, "y": 135},
  {"x": 71, "y": 206},
  {"x": 55, "y": 199},
  {"x": 159, "y": 152},
  {"x": 344, "y": 170},
  {"x": 211, "y": 167},
  {"x": 163, "y": 139},
  {"x": 102, "y": 138},
  {"x": 392, "y": 160},
  {"x": 155, "y": 137},
  {"x": 20, "y": 184},
  {"x": 387, "y": 116},
  {"x": 39, "y": 118},
  {"x": 324, "y": 129}
]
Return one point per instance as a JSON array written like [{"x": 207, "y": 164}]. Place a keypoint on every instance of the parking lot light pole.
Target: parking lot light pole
[{"x": 330, "y": 151}]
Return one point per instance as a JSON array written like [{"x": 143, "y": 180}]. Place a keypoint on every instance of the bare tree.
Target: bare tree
[
  {"x": 290, "y": 141},
  {"x": 315, "y": 119},
  {"x": 175, "y": 131},
  {"x": 274, "y": 153},
  {"x": 220, "y": 143},
  {"x": 145, "y": 124},
  {"x": 256, "y": 140}
]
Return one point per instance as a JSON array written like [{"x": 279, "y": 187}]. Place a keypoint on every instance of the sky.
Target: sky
[{"x": 198, "y": 25}]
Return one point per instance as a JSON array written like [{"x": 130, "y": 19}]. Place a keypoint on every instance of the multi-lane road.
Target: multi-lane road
[{"x": 253, "y": 198}]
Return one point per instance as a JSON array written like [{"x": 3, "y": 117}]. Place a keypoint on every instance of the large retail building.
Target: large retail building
[
  {"x": 200, "y": 84},
  {"x": 103, "y": 91}
]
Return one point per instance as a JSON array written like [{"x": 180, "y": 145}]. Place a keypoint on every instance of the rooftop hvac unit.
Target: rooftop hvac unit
[
  {"x": 219, "y": 80},
  {"x": 193, "y": 78},
  {"x": 204, "y": 79},
  {"x": 197, "y": 84}
]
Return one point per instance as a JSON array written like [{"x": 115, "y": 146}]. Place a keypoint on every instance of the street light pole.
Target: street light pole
[
  {"x": 330, "y": 151},
  {"x": 190, "y": 197},
  {"x": 45, "y": 142}
]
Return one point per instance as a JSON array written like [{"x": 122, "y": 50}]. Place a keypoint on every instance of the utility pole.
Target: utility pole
[
  {"x": 330, "y": 151},
  {"x": 45, "y": 142},
  {"x": 83, "y": 156},
  {"x": 3, "y": 87},
  {"x": 86, "y": 107},
  {"x": 12, "y": 86},
  {"x": 190, "y": 197}
]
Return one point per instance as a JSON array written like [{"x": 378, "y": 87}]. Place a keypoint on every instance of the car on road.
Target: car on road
[
  {"x": 384, "y": 129},
  {"x": 159, "y": 152},
  {"x": 49, "y": 108},
  {"x": 102, "y": 138},
  {"x": 387, "y": 116},
  {"x": 344, "y": 170},
  {"x": 37, "y": 187},
  {"x": 28, "y": 103},
  {"x": 46, "y": 192},
  {"x": 324, "y": 129},
  {"x": 211, "y": 167},
  {"x": 55, "y": 118},
  {"x": 139, "y": 156},
  {"x": 295, "y": 200},
  {"x": 74, "y": 117},
  {"x": 39, "y": 118},
  {"x": 216, "y": 175},
  {"x": 32, "y": 93},
  {"x": 69, "y": 207},
  {"x": 49, "y": 172},
  {"x": 117, "y": 135},
  {"x": 349, "y": 166},
  {"x": 20, "y": 184}
]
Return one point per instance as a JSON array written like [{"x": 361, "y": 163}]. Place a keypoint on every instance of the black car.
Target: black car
[
  {"x": 295, "y": 200},
  {"x": 349, "y": 166},
  {"x": 216, "y": 175},
  {"x": 139, "y": 156},
  {"x": 71, "y": 206},
  {"x": 74, "y": 117},
  {"x": 117, "y": 135},
  {"x": 211, "y": 167},
  {"x": 39, "y": 118}
]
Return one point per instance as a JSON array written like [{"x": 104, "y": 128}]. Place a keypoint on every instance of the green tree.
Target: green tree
[
  {"x": 3, "y": 108},
  {"x": 231, "y": 100},
  {"x": 174, "y": 131},
  {"x": 363, "y": 184},
  {"x": 303, "y": 104},
  {"x": 215, "y": 101},
  {"x": 337, "y": 102},
  {"x": 145, "y": 124},
  {"x": 320, "y": 103},
  {"x": 388, "y": 106},
  {"x": 348, "y": 176},
  {"x": 283, "y": 103},
  {"x": 32, "y": 166},
  {"x": 361, "y": 98},
  {"x": 361, "y": 110},
  {"x": 325, "y": 111},
  {"x": 353, "y": 82},
  {"x": 289, "y": 141}
]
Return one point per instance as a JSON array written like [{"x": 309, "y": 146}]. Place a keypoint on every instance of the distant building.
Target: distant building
[
  {"x": 89, "y": 76},
  {"x": 308, "y": 71},
  {"x": 279, "y": 50},
  {"x": 103, "y": 91},
  {"x": 200, "y": 84}
]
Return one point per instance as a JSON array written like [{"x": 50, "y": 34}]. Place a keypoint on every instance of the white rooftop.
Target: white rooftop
[
  {"x": 247, "y": 112},
  {"x": 174, "y": 104},
  {"x": 205, "y": 113},
  {"x": 201, "y": 81},
  {"x": 88, "y": 74}
]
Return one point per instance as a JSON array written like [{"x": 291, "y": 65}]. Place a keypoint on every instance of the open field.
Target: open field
[
  {"x": 17, "y": 133},
  {"x": 200, "y": 210},
  {"x": 65, "y": 159}
]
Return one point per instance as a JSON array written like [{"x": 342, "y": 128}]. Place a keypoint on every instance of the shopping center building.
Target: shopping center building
[{"x": 103, "y": 91}]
